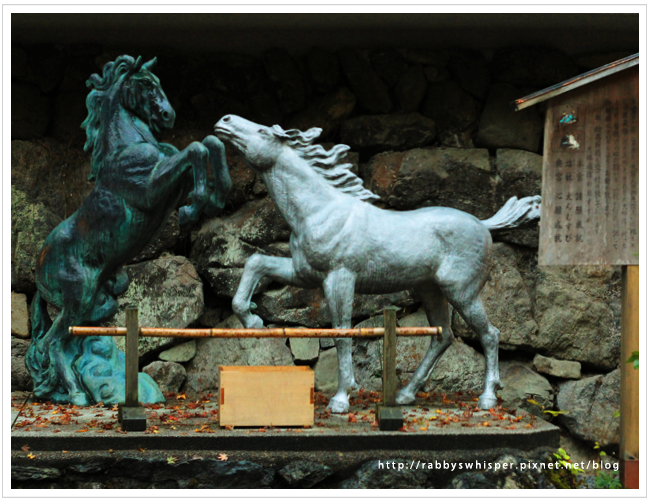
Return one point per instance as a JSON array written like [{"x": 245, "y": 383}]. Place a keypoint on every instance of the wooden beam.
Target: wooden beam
[
  {"x": 629, "y": 426},
  {"x": 253, "y": 332}
]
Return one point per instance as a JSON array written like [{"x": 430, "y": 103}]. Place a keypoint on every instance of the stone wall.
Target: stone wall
[{"x": 426, "y": 127}]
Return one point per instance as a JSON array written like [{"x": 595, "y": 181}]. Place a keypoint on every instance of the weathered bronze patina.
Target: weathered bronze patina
[{"x": 80, "y": 270}]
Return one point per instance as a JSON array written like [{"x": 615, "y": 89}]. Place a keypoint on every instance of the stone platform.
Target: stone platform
[{"x": 185, "y": 429}]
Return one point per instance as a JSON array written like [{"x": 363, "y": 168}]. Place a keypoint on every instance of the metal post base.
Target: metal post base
[
  {"x": 132, "y": 418},
  {"x": 390, "y": 418}
]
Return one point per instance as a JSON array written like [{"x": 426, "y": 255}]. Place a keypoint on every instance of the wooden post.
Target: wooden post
[
  {"x": 131, "y": 383},
  {"x": 131, "y": 414},
  {"x": 629, "y": 426},
  {"x": 389, "y": 415},
  {"x": 390, "y": 355}
]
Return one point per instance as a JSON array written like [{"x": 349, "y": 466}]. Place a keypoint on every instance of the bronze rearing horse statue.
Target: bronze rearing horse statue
[{"x": 80, "y": 270}]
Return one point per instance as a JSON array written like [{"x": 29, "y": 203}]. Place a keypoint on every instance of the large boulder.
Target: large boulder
[
  {"x": 30, "y": 111},
  {"x": 410, "y": 89},
  {"x": 50, "y": 173},
  {"x": 470, "y": 69},
  {"x": 286, "y": 78},
  {"x": 452, "y": 108},
  {"x": 31, "y": 223},
  {"x": 326, "y": 373},
  {"x": 202, "y": 370},
  {"x": 376, "y": 474},
  {"x": 165, "y": 240},
  {"x": 304, "y": 474},
  {"x": 395, "y": 132},
  {"x": 461, "y": 368},
  {"x": 326, "y": 113},
  {"x": 500, "y": 127},
  {"x": 532, "y": 66},
  {"x": 223, "y": 244},
  {"x": 520, "y": 383},
  {"x": 181, "y": 353},
  {"x": 575, "y": 308},
  {"x": 304, "y": 350},
  {"x": 371, "y": 91},
  {"x": 19, "y": 316},
  {"x": 389, "y": 64},
  {"x": 556, "y": 367},
  {"x": 426, "y": 57},
  {"x": 323, "y": 68},
  {"x": 168, "y": 375},
  {"x": 456, "y": 178},
  {"x": 590, "y": 404},
  {"x": 168, "y": 293},
  {"x": 20, "y": 377}
]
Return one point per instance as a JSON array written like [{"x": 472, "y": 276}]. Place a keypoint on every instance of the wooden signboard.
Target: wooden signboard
[
  {"x": 590, "y": 194},
  {"x": 266, "y": 396}
]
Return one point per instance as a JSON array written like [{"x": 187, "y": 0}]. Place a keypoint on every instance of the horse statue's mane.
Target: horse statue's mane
[
  {"x": 328, "y": 164},
  {"x": 92, "y": 124}
]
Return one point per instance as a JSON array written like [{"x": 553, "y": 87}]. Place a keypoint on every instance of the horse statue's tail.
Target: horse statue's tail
[
  {"x": 41, "y": 324},
  {"x": 515, "y": 213}
]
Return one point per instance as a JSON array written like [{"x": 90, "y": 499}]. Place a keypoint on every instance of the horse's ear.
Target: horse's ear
[
  {"x": 150, "y": 65},
  {"x": 138, "y": 64}
]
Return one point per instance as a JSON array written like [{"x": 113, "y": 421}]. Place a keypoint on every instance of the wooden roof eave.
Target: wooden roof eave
[{"x": 575, "y": 82}]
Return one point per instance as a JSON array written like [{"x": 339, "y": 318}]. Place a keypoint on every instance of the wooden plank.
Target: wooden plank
[
  {"x": 629, "y": 423},
  {"x": 262, "y": 396},
  {"x": 590, "y": 194},
  {"x": 390, "y": 357},
  {"x": 131, "y": 383}
]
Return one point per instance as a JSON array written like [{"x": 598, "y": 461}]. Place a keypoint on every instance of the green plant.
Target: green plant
[
  {"x": 605, "y": 479},
  {"x": 565, "y": 460},
  {"x": 634, "y": 359}
]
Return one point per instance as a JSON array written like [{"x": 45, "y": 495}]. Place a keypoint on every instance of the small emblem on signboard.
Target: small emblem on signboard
[{"x": 569, "y": 118}]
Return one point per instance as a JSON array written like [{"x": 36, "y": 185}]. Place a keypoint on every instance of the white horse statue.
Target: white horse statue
[{"x": 345, "y": 245}]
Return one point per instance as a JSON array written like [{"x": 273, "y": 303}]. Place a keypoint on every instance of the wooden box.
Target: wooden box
[{"x": 262, "y": 396}]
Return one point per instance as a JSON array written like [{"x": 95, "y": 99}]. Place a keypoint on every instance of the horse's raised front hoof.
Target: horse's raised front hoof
[
  {"x": 487, "y": 402},
  {"x": 404, "y": 398},
  {"x": 339, "y": 405},
  {"x": 186, "y": 216}
]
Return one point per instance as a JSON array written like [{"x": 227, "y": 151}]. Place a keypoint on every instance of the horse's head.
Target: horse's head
[
  {"x": 258, "y": 144},
  {"x": 142, "y": 94}
]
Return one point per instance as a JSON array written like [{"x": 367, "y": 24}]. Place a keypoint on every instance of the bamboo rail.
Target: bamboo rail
[{"x": 252, "y": 332}]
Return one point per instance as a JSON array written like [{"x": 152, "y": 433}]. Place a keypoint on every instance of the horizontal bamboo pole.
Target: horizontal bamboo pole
[{"x": 252, "y": 332}]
